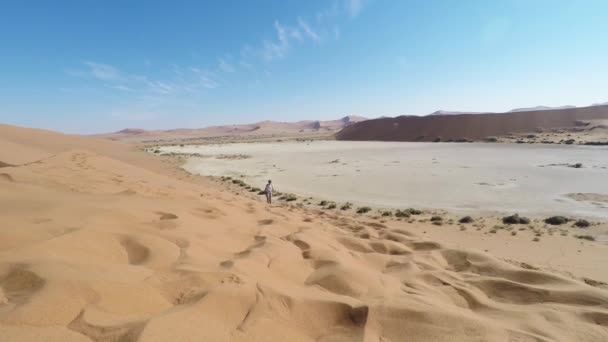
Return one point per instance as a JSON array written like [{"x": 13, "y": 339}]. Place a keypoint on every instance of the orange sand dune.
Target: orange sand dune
[
  {"x": 100, "y": 242},
  {"x": 468, "y": 126}
]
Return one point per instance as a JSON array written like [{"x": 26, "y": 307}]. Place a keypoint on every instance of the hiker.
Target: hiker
[{"x": 268, "y": 191}]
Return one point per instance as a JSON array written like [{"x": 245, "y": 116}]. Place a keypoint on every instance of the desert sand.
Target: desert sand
[{"x": 103, "y": 242}]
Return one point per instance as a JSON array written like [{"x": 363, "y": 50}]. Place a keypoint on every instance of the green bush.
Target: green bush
[
  {"x": 402, "y": 213},
  {"x": 515, "y": 219},
  {"x": 363, "y": 210},
  {"x": 436, "y": 218},
  {"x": 413, "y": 211},
  {"x": 582, "y": 223},
  {"x": 466, "y": 219},
  {"x": 288, "y": 197},
  {"x": 387, "y": 213},
  {"x": 556, "y": 220},
  {"x": 346, "y": 206}
]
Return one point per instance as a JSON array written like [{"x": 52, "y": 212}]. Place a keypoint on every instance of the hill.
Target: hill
[{"x": 469, "y": 126}]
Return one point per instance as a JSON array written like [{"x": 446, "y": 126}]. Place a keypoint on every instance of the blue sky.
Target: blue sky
[{"x": 96, "y": 66}]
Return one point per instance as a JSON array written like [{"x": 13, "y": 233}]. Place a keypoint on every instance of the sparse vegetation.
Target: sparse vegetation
[
  {"x": 515, "y": 219},
  {"x": 238, "y": 182},
  {"x": 556, "y": 220},
  {"x": 413, "y": 211},
  {"x": 536, "y": 239},
  {"x": 288, "y": 197},
  {"x": 436, "y": 218},
  {"x": 363, "y": 210},
  {"x": 582, "y": 223},
  {"x": 585, "y": 237},
  {"x": 387, "y": 213},
  {"x": 323, "y": 203},
  {"x": 331, "y": 205},
  {"x": 466, "y": 219},
  {"x": 402, "y": 213},
  {"x": 346, "y": 206}
]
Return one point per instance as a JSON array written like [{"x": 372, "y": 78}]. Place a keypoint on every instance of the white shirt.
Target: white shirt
[{"x": 269, "y": 188}]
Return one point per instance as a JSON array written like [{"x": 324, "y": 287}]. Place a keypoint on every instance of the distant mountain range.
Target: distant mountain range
[{"x": 258, "y": 128}]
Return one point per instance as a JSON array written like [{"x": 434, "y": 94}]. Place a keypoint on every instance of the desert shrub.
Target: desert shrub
[
  {"x": 363, "y": 210},
  {"x": 156, "y": 151},
  {"x": 438, "y": 223},
  {"x": 413, "y": 211},
  {"x": 585, "y": 237},
  {"x": 514, "y": 233},
  {"x": 491, "y": 139},
  {"x": 238, "y": 182},
  {"x": 569, "y": 141},
  {"x": 466, "y": 219},
  {"x": 288, "y": 197},
  {"x": 576, "y": 166},
  {"x": 331, "y": 205},
  {"x": 515, "y": 219},
  {"x": 438, "y": 139},
  {"x": 436, "y": 218},
  {"x": 582, "y": 223},
  {"x": 536, "y": 239},
  {"x": 402, "y": 213},
  {"x": 253, "y": 189},
  {"x": 346, "y": 206},
  {"x": 323, "y": 203},
  {"x": 387, "y": 213},
  {"x": 556, "y": 220}
]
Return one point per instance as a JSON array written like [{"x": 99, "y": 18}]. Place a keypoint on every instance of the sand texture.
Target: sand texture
[{"x": 100, "y": 242}]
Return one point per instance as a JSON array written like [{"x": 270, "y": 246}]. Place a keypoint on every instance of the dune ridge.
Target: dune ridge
[
  {"x": 468, "y": 126},
  {"x": 85, "y": 255}
]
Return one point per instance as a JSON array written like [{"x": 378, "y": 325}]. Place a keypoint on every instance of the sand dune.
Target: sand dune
[
  {"x": 248, "y": 131},
  {"x": 468, "y": 126},
  {"x": 100, "y": 242}
]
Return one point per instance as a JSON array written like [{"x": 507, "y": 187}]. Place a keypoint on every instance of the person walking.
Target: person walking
[{"x": 268, "y": 191}]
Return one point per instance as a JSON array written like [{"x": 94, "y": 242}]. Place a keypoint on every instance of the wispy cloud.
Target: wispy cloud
[
  {"x": 177, "y": 79},
  {"x": 308, "y": 31},
  {"x": 104, "y": 72}
]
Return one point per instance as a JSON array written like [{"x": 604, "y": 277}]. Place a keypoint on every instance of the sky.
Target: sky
[{"x": 85, "y": 66}]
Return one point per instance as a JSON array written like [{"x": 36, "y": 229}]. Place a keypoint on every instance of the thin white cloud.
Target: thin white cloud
[
  {"x": 177, "y": 80},
  {"x": 225, "y": 66},
  {"x": 104, "y": 72},
  {"x": 308, "y": 31}
]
